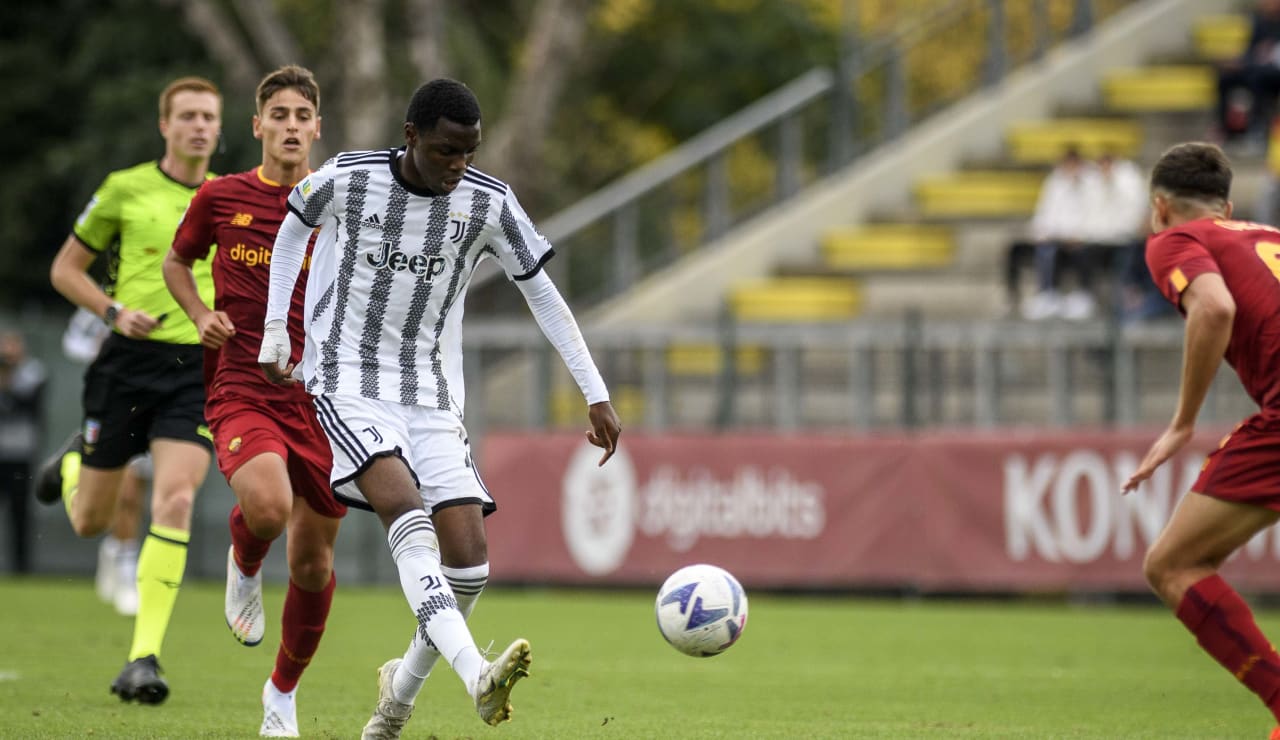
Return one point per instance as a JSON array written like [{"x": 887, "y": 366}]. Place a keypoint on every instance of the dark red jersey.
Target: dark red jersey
[
  {"x": 1247, "y": 256},
  {"x": 241, "y": 214}
]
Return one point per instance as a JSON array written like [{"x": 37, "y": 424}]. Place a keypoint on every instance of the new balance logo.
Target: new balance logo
[{"x": 373, "y": 222}]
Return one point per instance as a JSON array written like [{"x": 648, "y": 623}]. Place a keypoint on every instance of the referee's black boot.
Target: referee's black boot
[
  {"x": 49, "y": 477},
  {"x": 140, "y": 680}
]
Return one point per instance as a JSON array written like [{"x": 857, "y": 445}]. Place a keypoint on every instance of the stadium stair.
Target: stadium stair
[
  {"x": 805, "y": 299},
  {"x": 933, "y": 242},
  {"x": 1221, "y": 37},
  {"x": 1161, "y": 89},
  {"x": 1042, "y": 143},
  {"x": 944, "y": 252},
  {"x": 888, "y": 247},
  {"x": 979, "y": 194}
]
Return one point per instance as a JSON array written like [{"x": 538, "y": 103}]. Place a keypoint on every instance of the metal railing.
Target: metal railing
[
  {"x": 865, "y": 376},
  {"x": 819, "y": 122},
  {"x": 859, "y": 376}
]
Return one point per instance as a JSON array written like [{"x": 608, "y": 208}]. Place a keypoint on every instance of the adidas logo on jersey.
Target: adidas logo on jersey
[{"x": 372, "y": 222}]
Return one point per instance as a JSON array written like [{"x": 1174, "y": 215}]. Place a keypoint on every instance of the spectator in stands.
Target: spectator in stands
[
  {"x": 1269, "y": 196},
  {"x": 1117, "y": 225},
  {"x": 1248, "y": 85},
  {"x": 1059, "y": 235},
  {"x": 22, "y": 381}
]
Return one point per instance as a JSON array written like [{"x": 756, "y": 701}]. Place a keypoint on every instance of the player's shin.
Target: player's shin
[
  {"x": 421, "y": 656},
  {"x": 250, "y": 550},
  {"x": 302, "y": 626},
  {"x": 160, "y": 567},
  {"x": 1224, "y": 626},
  {"x": 416, "y": 552}
]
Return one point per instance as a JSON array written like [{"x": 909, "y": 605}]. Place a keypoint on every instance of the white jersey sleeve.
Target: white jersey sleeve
[
  {"x": 520, "y": 249},
  {"x": 312, "y": 199},
  {"x": 558, "y": 325},
  {"x": 310, "y": 203}
]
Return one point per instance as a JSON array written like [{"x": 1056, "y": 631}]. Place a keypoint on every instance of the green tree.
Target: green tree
[{"x": 575, "y": 92}]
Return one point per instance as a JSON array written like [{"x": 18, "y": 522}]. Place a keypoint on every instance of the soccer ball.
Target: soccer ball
[{"x": 701, "y": 610}]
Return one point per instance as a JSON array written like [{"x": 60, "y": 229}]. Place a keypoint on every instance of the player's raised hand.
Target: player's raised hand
[
  {"x": 215, "y": 329},
  {"x": 1173, "y": 439},
  {"x": 605, "y": 428},
  {"x": 274, "y": 355}
]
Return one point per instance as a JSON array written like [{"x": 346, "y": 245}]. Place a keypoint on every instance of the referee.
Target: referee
[{"x": 145, "y": 391}]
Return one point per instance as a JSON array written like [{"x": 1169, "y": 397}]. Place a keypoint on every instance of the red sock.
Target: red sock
[
  {"x": 249, "y": 549},
  {"x": 304, "y": 616},
  {"x": 1224, "y": 627}
]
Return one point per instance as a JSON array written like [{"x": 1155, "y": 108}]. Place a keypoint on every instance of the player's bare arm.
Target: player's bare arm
[
  {"x": 215, "y": 327},
  {"x": 70, "y": 277},
  {"x": 1210, "y": 313}
]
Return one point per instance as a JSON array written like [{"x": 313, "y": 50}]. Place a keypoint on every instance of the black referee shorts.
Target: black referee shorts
[{"x": 138, "y": 390}]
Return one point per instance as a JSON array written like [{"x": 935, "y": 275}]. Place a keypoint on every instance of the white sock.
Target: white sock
[
  {"x": 421, "y": 656},
  {"x": 109, "y": 548},
  {"x": 416, "y": 551},
  {"x": 274, "y": 694},
  {"x": 127, "y": 561}
]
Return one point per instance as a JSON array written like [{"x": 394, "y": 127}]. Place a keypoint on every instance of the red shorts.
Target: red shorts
[
  {"x": 244, "y": 429},
  {"x": 1246, "y": 466}
]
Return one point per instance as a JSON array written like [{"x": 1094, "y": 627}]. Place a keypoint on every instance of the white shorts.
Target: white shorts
[{"x": 432, "y": 443}]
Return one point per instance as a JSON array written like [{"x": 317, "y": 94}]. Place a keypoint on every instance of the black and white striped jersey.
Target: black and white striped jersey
[{"x": 389, "y": 272}]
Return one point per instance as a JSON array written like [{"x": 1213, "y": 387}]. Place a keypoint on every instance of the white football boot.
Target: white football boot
[
  {"x": 279, "y": 712},
  {"x": 243, "y": 606},
  {"x": 492, "y": 691},
  {"x": 389, "y": 716}
]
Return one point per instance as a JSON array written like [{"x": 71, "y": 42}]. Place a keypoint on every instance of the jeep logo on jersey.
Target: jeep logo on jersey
[{"x": 395, "y": 260}]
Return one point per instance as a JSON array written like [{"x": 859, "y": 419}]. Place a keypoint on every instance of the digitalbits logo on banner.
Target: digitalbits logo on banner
[{"x": 598, "y": 509}]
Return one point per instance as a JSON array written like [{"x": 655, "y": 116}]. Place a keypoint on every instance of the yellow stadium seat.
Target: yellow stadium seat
[
  {"x": 1221, "y": 37},
  {"x": 569, "y": 409},
  {"x": 888, "y": 247},
  {"x": 1044, "y": 142},
  {"x": 796, "y": 299},
  {"x": 980, "y": 194},
  {"x": 708, "y": 359},
  {"x": 1163, "y": 89}
]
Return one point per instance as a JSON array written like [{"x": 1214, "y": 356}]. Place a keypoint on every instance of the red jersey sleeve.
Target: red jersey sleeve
[
  {"x": 1175, "y": 258},
  {"x": 195, "y": 230}
]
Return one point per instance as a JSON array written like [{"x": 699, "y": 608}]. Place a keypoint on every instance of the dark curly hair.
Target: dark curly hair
[
  {"x": 1196, "y": 171},
  {"x": 442, "y": 98}
]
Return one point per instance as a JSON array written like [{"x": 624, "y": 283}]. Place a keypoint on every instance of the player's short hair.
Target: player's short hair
[
  {"x": 184, "y": 84},
  {"x": 442, "y": 98},
  {"x": 286, "y": 77},
  {"x": 1197, "y": 171}
]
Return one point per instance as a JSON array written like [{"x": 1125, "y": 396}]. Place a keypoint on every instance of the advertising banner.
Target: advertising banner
[{"x": 965, "y": 511}]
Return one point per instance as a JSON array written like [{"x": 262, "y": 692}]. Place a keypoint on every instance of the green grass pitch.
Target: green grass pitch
[{"x": 805, "y": 668}]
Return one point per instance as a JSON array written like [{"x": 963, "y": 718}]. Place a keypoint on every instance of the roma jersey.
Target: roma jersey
[
  {"x": 131, "y": 219},
  {"x": 1247, "y": 256},
  {"x": 240, "y": 214}
]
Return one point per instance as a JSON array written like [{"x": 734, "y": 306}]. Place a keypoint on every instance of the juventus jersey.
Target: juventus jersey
[{"x": 389, "y": 271}]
